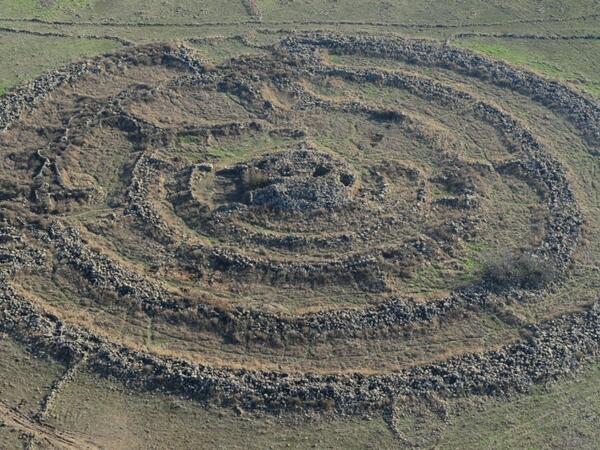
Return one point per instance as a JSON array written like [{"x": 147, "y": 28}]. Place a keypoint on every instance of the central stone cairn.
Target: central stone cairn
[{"x": 293, "y": 181}]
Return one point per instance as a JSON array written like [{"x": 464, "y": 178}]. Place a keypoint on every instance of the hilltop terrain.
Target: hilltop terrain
[{"x": 299, "y": 224}]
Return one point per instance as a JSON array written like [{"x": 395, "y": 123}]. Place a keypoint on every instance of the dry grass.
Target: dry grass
[{"x": 117, "y": 418}]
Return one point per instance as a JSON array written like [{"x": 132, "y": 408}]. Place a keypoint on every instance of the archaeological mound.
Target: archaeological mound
[{"x": 328, "y": 219}]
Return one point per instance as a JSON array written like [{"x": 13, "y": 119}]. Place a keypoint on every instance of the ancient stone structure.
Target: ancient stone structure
[{"x": 305, "y": 217}]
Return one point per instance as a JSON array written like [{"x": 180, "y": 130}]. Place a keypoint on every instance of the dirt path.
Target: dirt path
[{"x": 58, "y": 438}]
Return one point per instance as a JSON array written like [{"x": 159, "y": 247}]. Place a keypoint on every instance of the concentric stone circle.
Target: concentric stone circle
[{"x": 226, "y": 182}]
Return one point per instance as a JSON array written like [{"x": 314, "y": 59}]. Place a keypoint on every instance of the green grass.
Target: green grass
[
  {"x": 567, "y": 415},
  {"x": 405, "y": 11},
  {"x": 117, "y": 418},
  {"x": 572, "y": 61},
  {"x": 42, "y": 9},
  {"x": 188, "y": 139},
  {"x": 9, "y": 438},
  {"x": 226, "y": 150},
  {"x": 233, "y": 151},
  {"x": 422, "y": 11},
  {"x": 125, "y": 10},
  {"x": 28, "y": 56},
  {"x": 23, "y": 378},
  {"x": 221, "y": 51},
  {"x": 563, "y": 415}
]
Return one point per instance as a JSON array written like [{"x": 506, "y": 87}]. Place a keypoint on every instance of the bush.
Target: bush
[
  {"x": 525, "y": 271},
  {"x": 255, "y": 179}
]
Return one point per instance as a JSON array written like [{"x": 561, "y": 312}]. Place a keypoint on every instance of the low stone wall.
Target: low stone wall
[{"x": 551, "y": 349}]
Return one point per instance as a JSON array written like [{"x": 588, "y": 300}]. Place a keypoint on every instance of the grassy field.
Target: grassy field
[
  {"x": 561, "y": 415},
  {"x": 573, "y": 60},
  {"x": 104, "y": 412},
  {"x": 564, "y": 415},
  {"x": 118, "y": 419},
  {"x": 29, "y": 56},
  {"x": 421, "y": 11},
  {"x": 124, "y": 10}
]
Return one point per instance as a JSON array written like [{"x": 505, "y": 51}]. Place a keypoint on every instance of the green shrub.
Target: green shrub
[
  {"x": 255, "y": 179},
  {"x": 525, "y": 271}
]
